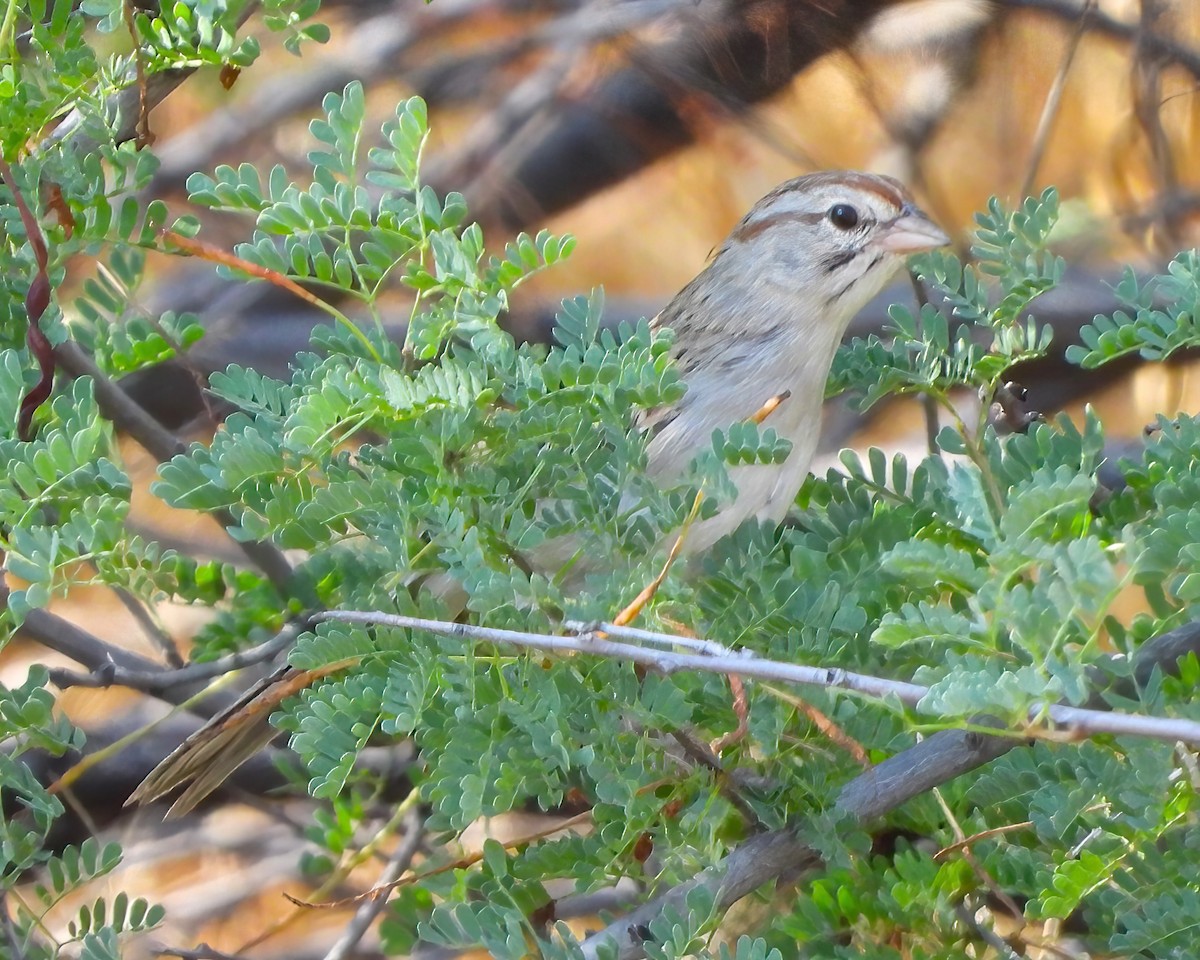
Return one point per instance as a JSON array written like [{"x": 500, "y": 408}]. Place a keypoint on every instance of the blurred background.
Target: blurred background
[{"x": 646, "y": 128}]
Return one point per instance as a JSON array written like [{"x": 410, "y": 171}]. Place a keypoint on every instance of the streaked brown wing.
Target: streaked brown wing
[{"x": 207, "y": 758}]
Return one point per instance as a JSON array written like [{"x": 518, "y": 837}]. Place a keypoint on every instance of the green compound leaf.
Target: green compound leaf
[
  {"x": 1160, "y": 317},
  {"x": 745, "y": 443}
]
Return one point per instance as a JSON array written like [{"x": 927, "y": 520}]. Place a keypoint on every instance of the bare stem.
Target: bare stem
[{"x": 1068, "y": 721}]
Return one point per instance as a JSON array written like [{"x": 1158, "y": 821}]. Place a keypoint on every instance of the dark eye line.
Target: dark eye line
[
  {"x": 858, "y": 275},
  {"x": 747, "y": 231},
  {"x": 835, "y": 261}
]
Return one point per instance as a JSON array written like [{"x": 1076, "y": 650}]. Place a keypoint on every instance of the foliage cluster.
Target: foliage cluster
[{"x": 987, "y": 570}]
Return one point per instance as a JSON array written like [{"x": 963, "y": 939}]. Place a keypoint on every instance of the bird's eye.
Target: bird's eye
[{"x": 843, "y": 216}]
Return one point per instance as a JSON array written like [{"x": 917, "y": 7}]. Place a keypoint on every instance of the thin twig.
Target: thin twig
[
  {"x": 741, "y": 710},
  {"x": 202, "y": 951},
  {"x": 150, "y": 627},
  {"x": 1053, "y": 101},
  {"x": 62, "y": 636},
  {"x": 969, "y": 856},
  {"x": 1071, "y": 721},
  {"x": 1147, "y": 107},
  {"x": 1154, "y": 43},
  {"x": 967, "y": 917},
  {"x": 621, "y": 632},
  {"x": 144, "y": 137},
  {"x": 981, "y": 835},
  {"x": 929, "y": 406},
  {"x": 341, "y": 872},
  {"x": 460, "y": 863},
  {"x": 397, "y": 864},
  {"x": 635, "y": 606},
  {"x": 157, "y": 682},
  {"x": 824, "y": 724},
  {"x": 702, "y": 754}
]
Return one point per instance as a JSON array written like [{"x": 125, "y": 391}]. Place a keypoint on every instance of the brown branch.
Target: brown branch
[
  {"x": 144, "y": 137},
  {"x": 1053, "y": 101},
  {"x": 825, "y": 726},
  {"x": 966, "y": 842}
]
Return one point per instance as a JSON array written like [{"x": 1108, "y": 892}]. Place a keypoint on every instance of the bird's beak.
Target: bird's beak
[{"x": 911, "y": 232}]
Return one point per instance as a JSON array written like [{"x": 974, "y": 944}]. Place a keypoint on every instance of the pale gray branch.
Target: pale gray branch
[
  {"x": 365, "y": 915},
  {"x": 1077, "y": 721}
]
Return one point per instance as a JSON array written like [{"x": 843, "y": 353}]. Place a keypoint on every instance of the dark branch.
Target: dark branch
[
  {"x": 717, "y": 55},
  {"x": 62, "y": 636},
  {"x": 783, "y": 856},
  {"x": 135, "y": 420},
  {"x": 159, "y": 682}
]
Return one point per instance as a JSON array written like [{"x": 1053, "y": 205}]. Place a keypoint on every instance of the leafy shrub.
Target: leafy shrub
[{"x": 986, "y": 571}]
